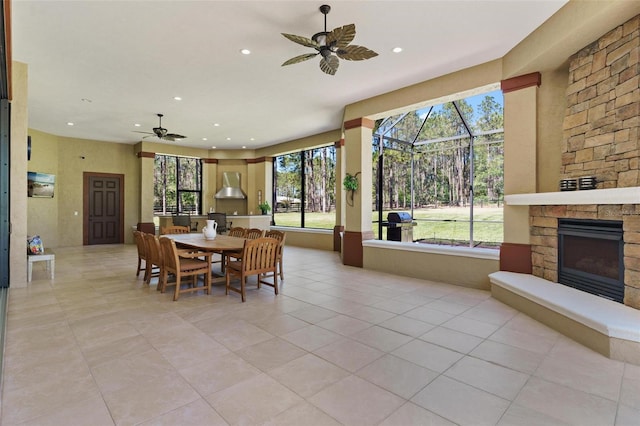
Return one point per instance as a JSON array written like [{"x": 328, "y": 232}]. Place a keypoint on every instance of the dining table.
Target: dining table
[{"x": 220, "y": 244}]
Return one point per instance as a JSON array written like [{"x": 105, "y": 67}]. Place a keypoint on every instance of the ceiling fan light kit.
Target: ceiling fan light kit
[{"x": 330, "y": 46}]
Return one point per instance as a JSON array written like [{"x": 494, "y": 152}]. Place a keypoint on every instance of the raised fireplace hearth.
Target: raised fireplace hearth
[{"x": 591, "y": 256}]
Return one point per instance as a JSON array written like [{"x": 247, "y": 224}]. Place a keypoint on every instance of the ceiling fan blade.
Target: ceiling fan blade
[
  {"x": 300, "y": 58},
  {"x": 329, "y": 64},
  {"x": 173, "y": 137},
  {"x": 355, "y": 53},
  {"x": 301, "y": 40},
  {"x": 342, "y": 36},
  {"x": 146, "y": 133}
]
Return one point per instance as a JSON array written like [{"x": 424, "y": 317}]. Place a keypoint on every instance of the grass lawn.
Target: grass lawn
[{"x": 446, "y": 224}]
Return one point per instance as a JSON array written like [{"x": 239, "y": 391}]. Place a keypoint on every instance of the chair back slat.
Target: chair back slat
[{"x": 253, "y": 233}]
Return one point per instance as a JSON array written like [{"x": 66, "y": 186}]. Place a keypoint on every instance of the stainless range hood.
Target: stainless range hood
[{"x": 230, "y": 187}]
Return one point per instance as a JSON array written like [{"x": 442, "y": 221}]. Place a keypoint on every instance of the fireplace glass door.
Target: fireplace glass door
[{"x": 590, "y": 257}]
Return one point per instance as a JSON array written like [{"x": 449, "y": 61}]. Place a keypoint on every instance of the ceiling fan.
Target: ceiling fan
[
  {"x": 331, "y": 46},
  {"x": 162, "y": 133}
]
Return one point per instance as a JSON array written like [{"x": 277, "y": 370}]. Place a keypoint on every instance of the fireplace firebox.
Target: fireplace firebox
[{"x": 591, "y": 256}]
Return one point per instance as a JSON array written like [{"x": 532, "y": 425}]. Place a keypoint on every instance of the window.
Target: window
[
  {"x": 305, "y": 189},
  {"x": 177, "y": 185},
  {"x": 443, "y": 164}
]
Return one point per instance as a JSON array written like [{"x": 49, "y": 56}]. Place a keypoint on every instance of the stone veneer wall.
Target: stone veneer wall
[
  {"x": 601, "y": 139},
  {"x": 544, "y": 240},
  {"x": 601, "y": 125}
]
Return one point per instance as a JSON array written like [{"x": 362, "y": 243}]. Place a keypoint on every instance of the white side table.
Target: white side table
[{"x": 47, "y": 256}]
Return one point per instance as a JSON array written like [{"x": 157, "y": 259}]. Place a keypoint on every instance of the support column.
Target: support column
[
  {"x": 520, "y": 167},
  {"x": 147, "y": 160},
  {"x": 358, "y": 216},
  {"x": 209, "y": 184},
  {"x": 338, "y": 229},
  {"x": 259, "y": 183}
]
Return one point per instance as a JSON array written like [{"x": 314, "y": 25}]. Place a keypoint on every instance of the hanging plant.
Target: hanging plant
[{"x": 350, "y": 184}]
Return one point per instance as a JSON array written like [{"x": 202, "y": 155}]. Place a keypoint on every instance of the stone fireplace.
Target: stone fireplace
[
  {"x": 601, "y": 132},
  {"x": 544, "y": 240}
]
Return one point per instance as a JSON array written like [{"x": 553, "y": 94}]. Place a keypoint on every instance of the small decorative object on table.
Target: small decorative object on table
[
  {"x": 264, "y": 207},
  {"x": 210, "y": 230},
  {"x": 34, "y": 245}
]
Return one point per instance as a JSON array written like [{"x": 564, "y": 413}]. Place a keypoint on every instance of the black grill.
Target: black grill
[{"x": 399, "y": 227}]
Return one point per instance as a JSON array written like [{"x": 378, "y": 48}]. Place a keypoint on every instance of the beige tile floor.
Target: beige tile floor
[{"x": 339, "y": 345}]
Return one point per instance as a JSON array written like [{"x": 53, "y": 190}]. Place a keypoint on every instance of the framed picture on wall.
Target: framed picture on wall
[{"x": 40, "y": 184}]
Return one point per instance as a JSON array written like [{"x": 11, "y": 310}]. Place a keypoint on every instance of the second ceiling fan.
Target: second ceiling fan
[
  {"x": 331, "y": 46},
  {"x": 163, "y": 133}
]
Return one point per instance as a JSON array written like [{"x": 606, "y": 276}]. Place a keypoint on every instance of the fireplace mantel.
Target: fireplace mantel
[{"x": 594, "y": 196}]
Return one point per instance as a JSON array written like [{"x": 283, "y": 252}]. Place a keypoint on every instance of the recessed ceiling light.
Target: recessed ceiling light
[
  {"x": 137, "y": 125},
  {"x": 251, "y": 139},
  {"x": 70, "y": 123},
  {"x": 245, "y": 51},
  {"x": 396, "y": 49},
  {"x": 177, "y": 98},
  {"x": 213, "y": 147},
  {"x": 244, "y": 147},
  {"x": 204, "y": 139},
  {"x": 228, "y": 139},
  {"x": 216, "y": 124}
]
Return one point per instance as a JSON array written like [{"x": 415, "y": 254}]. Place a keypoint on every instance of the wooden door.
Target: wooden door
[{"x": 103, "y": 208}]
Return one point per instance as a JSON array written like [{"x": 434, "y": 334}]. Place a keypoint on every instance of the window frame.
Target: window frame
[
  {"x": 303, "y": 187},
  {"x": 180, "y": 188}
]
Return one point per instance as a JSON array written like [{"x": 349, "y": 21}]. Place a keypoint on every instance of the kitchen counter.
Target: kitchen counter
[{"x": 250, "y": 221}]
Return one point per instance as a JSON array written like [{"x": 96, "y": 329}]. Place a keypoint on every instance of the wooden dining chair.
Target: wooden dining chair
[
  {"x": 259, "y": 258},
  {"x": 253, "y": 233},
  {"x": 237, "y": 231},
  {"x": 280, "y": 236},
  {"x": 154, "y": 258},
  {"x": 174, "y": 229},
  {"x": 184, "y": 264},
  {"x": 142, "y": 253}
]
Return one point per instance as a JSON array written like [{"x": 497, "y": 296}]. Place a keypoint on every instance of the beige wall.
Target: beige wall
[
  {"x": 464, "y": 271},
  {"x": 99, "y": 157},
  {"x": 551, "y": 106},
  {"x": 309, "y": 239},
  {"x": 42, "y": 213}
]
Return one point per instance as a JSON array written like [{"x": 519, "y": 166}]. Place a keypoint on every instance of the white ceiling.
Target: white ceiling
[{"x": 105, "y": 65}]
